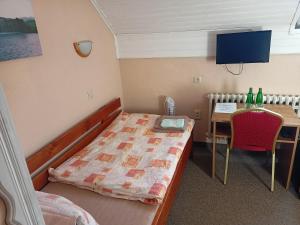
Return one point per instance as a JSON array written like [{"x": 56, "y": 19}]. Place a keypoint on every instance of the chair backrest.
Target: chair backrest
[{"x": 255, "y": 129}]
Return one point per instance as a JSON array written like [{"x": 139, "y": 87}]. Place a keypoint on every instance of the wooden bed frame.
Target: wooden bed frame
[{"x": 80, "y": 135}]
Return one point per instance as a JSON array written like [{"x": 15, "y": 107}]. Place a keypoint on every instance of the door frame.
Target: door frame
[{"x": 16, "y": 187}]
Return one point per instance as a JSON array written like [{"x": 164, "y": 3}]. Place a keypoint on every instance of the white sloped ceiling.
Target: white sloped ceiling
[{"x": 183, "y": 28}]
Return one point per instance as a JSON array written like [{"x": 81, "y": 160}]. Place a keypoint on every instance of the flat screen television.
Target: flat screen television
[{"x": 244, "y": 47}]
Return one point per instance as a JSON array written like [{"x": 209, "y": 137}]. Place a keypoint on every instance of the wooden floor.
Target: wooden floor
[{"x": 245, "y": 200}]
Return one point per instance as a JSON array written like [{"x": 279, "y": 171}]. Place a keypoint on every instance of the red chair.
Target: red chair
[{"x": 254, "y": 130}]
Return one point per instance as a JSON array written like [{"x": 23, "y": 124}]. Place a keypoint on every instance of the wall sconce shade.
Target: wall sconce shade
[{"x": 83, "y": 48}]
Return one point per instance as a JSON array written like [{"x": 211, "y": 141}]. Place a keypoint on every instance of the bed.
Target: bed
[{"x": 106, "y": 210}]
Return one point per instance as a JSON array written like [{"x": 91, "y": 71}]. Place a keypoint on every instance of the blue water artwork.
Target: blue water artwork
[
  {"x": 19, "y": 45},
  {"x": 18, "y": 32}
]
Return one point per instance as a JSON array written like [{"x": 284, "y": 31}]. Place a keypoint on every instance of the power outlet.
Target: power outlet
[
  {"x": 197, "y": 80},
  {"x": 197, "y": 114}
]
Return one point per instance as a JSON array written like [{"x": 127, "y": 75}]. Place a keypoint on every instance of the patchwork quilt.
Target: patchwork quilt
[{"x": 127, "y": 160}]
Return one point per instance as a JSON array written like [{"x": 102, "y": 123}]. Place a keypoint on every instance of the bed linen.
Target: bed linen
[
  {"x": 106, "y": 210},
  {"x": 58, "y": 210},
  {"x": 127, "y": 160}
]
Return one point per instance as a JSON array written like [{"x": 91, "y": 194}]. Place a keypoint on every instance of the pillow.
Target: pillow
[
  {"x": 58, "y": 210},
  {"x": 56, "y": 219}
]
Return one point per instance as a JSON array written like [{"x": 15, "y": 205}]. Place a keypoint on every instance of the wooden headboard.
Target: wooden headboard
[{"x": 70, "y": 142}]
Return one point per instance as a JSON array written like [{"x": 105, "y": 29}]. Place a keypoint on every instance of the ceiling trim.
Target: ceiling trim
[
  {"x": 95, "y": 3},
  {"x": 194, "y": 43},
  {"x": 143, "y": 16},
  {"x": 296, "y": 16},
  {"x": 102, "y": 15},
  {"x": 190, "y": 42}
]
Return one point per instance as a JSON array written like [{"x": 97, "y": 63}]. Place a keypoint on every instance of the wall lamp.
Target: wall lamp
[{"x": 83, "y": 48}]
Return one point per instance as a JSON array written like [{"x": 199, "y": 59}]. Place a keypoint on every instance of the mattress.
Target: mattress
[
  {"x": 127, "y": 160},
  {"x": 106, "y": 210}
]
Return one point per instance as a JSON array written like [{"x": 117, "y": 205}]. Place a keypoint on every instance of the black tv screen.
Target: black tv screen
[{"x": 245, "y": 47}]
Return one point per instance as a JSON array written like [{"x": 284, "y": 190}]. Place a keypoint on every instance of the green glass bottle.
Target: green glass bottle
[
  {"x": 259, "y": 98},
  {"x": 249, "y": 100}
]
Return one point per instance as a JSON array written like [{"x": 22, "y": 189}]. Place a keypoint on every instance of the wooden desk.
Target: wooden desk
[{"x": 286, "y": 153}]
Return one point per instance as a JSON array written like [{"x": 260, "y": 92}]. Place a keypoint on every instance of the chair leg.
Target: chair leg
[
  {"x": 226, "y": 165},
  {"x": 273, "y": 171}
]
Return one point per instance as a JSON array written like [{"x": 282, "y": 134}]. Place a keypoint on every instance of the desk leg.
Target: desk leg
[
  {"x": 291, "y": 165},
  {"x": 213, "y": 158},
  {"x": 286, "y": 158}
]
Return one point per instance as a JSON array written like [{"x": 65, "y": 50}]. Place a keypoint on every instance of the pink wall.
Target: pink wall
[
  {"x": 145, "y": 80},
  {"x": 48, "y": 94}
]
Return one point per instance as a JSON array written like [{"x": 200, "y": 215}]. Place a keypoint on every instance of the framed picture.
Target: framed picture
[
  {"x": 18, "y": 32},
  {"x": 295, "y": 25}
]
